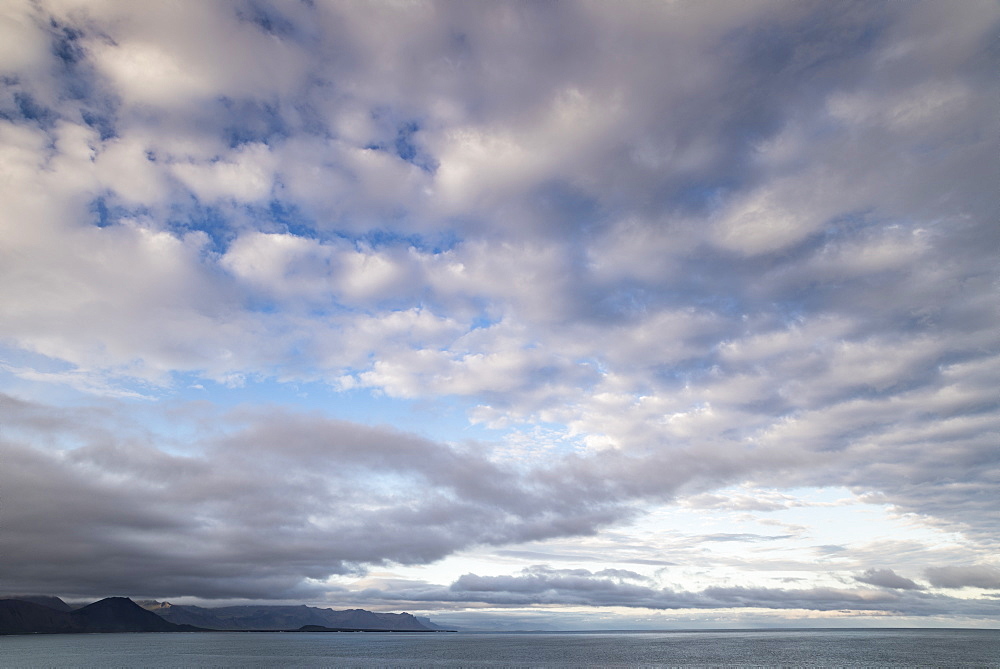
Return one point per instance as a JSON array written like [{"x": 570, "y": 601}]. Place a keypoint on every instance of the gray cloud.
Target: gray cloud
[
  {"x": 541, "y": 586},
  {"x": 215, "y": 521},
  {"x": 965, "y": 576},
  {"x": 886, "y": 578},
  {"x": 727, "y": 536}
]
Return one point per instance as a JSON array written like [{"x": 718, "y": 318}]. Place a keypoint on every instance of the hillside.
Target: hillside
[
  {"x": 114, "y": 614},
  {"x": 283, "y": 618},
  {"x": 21, "y": 617},
  {"x": 50, "y": 615},
  {"x": 45, "y": 600}
]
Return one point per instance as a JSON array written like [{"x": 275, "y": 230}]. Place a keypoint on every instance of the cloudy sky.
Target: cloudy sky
[{"x": 568, "y": 314}]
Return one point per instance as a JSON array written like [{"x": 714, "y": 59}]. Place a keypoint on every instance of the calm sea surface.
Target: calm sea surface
[{"x": 814, "y": 648}]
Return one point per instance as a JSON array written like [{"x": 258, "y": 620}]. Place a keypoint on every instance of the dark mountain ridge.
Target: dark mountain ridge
[
  {"x": 50, "y": 615},
  {"x": 114, "y": 614}
]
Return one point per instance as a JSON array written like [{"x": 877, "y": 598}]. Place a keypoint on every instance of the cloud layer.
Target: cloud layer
[{"x": 645, "y": 252}]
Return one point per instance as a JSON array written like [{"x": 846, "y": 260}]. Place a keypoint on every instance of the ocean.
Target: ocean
[{"x": 771, "y": 648}]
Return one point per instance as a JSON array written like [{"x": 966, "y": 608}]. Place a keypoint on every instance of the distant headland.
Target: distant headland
[{"x": 21, "y": 614}]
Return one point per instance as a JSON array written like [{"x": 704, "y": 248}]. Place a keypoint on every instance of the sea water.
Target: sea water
[{"x": 786, "y": 648}]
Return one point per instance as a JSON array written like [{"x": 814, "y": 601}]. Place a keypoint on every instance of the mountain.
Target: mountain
[
  {"x": 21, "y": 617},
  {"x": 284, "y": 618},
  {"x": 114, "y": 614},
  {"x": 44, "y": 600},
  {"x": 50, "y": 615},
  {"x": 120, "y": 614}
]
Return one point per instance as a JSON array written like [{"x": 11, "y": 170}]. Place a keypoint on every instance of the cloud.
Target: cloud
[
  {"x": 643, "y": 254},
  {"x": 726, "y": 536},
  {"x": 215, "y": 521},
  {"x": 544, "y": 586},
  {"x": 886, "y": 578},
  {"x": 741, "y": 502},
  {"x": 145, "y": 513},
  {"x": 967, "y": 576}
]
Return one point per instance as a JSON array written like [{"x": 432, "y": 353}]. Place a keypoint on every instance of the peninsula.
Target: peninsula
[{"x": 51, "y": 615}]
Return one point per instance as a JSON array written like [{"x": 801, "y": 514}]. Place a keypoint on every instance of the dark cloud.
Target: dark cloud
[{"x": 278, "y": 499}]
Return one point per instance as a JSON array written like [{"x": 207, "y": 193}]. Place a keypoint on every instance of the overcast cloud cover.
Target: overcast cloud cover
[{"x": 570, "y": 313}]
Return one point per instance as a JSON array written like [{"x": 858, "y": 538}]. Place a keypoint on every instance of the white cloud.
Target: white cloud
[
  {"x": 168, "y": 56},
  {"x": 24, "y": 45},
  {"x": 247, "y": 176}
]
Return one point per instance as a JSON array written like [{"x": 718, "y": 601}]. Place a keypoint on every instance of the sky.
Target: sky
[{"x": 575, "y": 315}]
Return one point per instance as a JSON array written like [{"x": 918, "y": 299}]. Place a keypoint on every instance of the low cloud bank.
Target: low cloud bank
[{"x": 542, "y": 586}]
